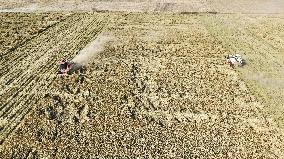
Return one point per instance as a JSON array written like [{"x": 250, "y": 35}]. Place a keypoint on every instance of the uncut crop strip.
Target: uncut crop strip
[
  {"x": 81, "y": 31},
  {"x": 264, "y": 56},
  {"x": 239, "y": 39},
  {"x": 169, "y": 90},
  {"x": 271, "y": 32},
  {"x": 190, "y": 85},
  {"x": 260, "y": 39}
]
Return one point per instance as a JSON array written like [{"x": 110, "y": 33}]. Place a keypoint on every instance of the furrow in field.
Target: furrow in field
[
  {"x": 38, "y": 32},
  {"x": 20, "y": 53}
]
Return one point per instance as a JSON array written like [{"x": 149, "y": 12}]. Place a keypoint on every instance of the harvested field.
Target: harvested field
[
  {"x": 156, "y": 83},
  {"x": 161, "y": 89}
]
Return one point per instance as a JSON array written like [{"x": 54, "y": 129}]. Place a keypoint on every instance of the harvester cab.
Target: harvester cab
[{"x": 67, "y": 67}]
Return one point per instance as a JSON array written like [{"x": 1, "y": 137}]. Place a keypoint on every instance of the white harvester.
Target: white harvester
[{"x": 235, "y": 60}]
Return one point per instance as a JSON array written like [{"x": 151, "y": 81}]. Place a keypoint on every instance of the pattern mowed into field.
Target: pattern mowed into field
[{"x": 161, "y": 89}]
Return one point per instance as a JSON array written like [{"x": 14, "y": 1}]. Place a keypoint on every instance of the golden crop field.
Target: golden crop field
[{"x": 161, "y": 88}]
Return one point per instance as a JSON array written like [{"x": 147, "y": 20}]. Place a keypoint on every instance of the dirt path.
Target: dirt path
[{"x": 220, "y": 6}]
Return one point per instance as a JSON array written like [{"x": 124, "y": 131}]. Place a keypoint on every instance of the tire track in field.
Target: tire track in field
[{"x": 80, "y": 31}]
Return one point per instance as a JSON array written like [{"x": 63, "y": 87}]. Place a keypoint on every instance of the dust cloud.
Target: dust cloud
[
  {"x": 93, "y": 49},
  {"x": 268, "y": 81}
]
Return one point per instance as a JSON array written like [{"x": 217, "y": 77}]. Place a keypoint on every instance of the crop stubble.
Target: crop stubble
[{"x": 161, "y": 89}]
